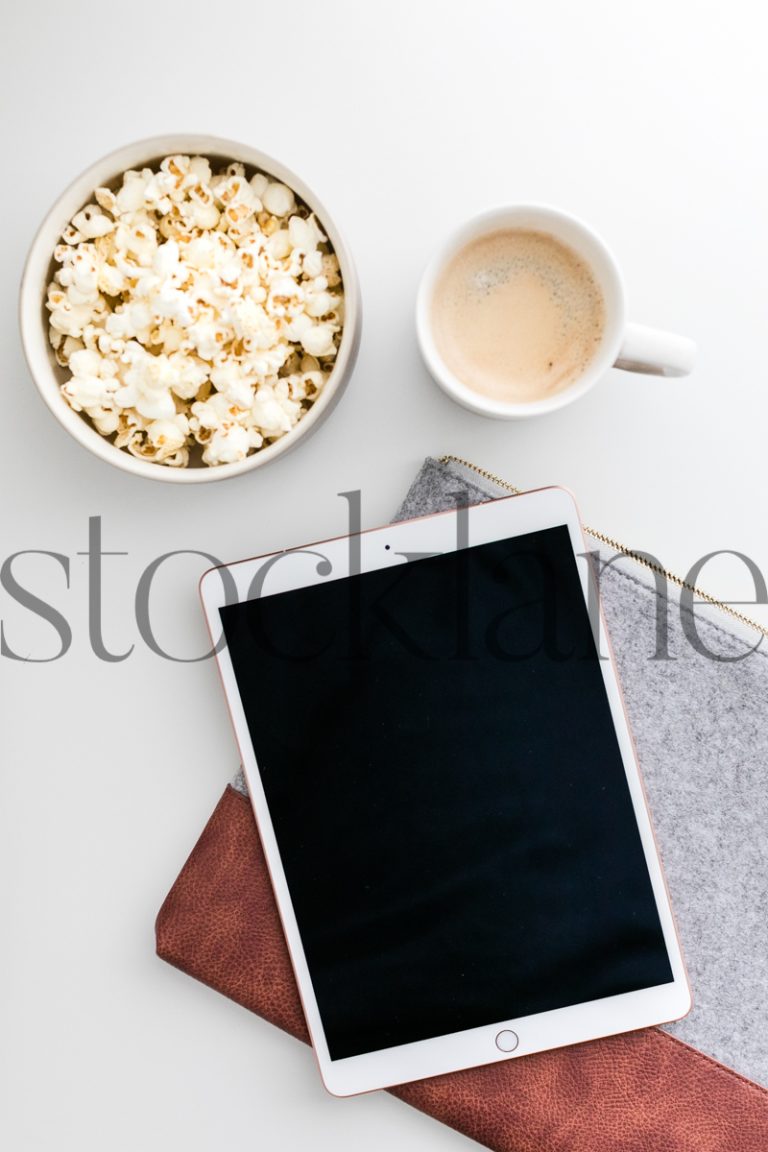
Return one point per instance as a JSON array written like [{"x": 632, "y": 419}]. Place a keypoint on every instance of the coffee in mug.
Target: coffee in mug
[
  {"x": 521, "y": 312},
  {"x": 517, "y": 315}
]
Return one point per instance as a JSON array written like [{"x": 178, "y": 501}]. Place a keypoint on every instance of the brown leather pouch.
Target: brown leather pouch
[{"x": 642, "y": 1092}]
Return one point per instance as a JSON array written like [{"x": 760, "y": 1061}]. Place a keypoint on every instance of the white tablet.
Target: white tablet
[{"x": 447, "y": 793}]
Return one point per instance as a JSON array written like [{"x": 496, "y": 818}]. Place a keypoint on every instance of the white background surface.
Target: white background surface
[{"x": 645, "y": 119}]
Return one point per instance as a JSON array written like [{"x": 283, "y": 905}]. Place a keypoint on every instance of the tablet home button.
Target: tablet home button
[{"x": 507, "y": 1041}]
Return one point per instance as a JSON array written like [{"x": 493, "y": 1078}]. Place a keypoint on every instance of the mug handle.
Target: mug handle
[{"x": 655, "y": 352}]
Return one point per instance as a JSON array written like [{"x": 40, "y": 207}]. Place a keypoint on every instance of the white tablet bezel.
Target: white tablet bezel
[{"x": 382, "y": 548}]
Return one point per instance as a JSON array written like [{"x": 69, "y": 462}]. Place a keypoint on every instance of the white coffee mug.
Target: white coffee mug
[{"x": 632, "y": 347}]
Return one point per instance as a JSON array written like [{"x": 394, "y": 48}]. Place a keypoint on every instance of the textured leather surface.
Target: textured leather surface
[{"x": 644, "y": 1092}]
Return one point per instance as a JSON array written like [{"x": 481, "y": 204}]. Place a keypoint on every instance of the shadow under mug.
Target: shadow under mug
[{"x": 633, "y": 347}]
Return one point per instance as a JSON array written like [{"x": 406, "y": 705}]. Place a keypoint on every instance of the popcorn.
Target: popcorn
[
  {"x": 107, "y": 420},
  {"x": 330, "y": 269},
  {"x": 305, "y": 235},
  {"x": 166, "y": 437},
  {"x": 318, "y": 340},
  {"x": 191, "y": 374},
  {"x": 313, "y": 264},
  {"x": 194, "y": 311},
  {"x": 259, "y": 184},
  {"x": 67, "y": 316},
  {"x": 111, "y": 280},
  {"x": 130, "y": 197},
  {"x": 93, "y": 383},
  {"x": 106, "y": 199},
  {"x": 229, "y": 445},
  {"x": 273, "y": 413},
  {"x": 147, "y": 383},
  {"x": 91, "y": 221},
  {"x": 319, "y": 304},
  {"x": 229, "y": 379},
  {"x": 279, "y": 245},
  {"x": 278, "y": 199}
]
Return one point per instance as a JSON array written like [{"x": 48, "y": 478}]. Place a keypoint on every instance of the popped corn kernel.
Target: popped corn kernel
[{"x": 278, "y": 199}]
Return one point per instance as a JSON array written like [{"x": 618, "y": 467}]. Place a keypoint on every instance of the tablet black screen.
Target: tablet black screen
[{"x": 447, "y": 792}]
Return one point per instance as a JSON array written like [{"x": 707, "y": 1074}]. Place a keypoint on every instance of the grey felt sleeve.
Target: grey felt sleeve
[{"x": 696, "y": 711}]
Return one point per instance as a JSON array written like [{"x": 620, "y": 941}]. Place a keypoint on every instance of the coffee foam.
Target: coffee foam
[{"x": 517, "y": 315}]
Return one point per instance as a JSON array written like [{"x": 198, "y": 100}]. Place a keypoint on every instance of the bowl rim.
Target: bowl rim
[{"x": 34, "y": 331}]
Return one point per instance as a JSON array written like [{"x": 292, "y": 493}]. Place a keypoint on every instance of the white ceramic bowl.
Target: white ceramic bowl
[{"x": 33, "y": 317}]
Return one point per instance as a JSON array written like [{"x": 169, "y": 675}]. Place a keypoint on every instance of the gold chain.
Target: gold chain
[{"x": 614, "y": 544}]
